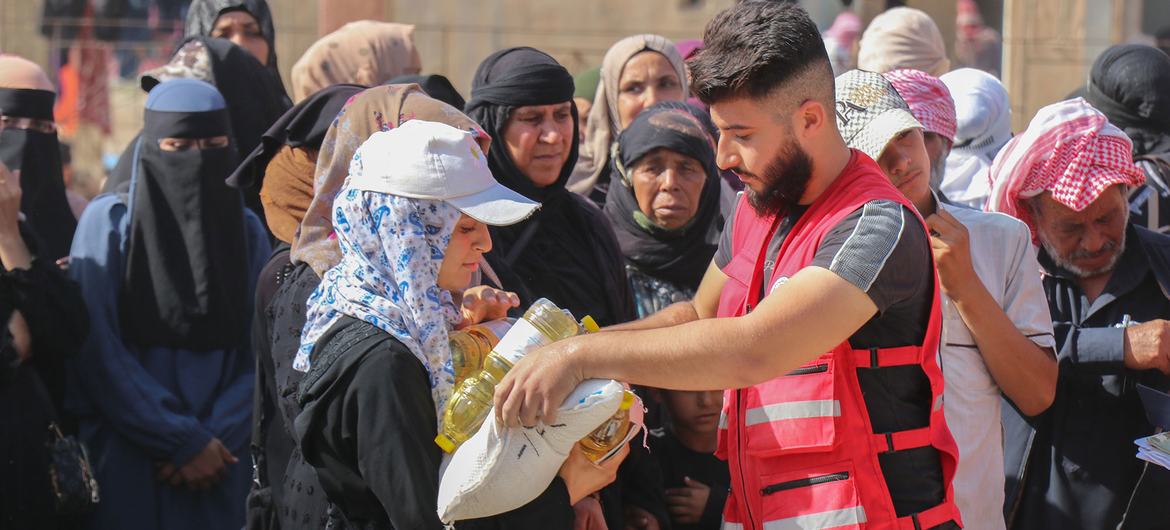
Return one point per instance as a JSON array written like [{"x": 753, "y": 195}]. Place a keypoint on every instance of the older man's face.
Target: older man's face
[{"x": 1087, "y": 243}]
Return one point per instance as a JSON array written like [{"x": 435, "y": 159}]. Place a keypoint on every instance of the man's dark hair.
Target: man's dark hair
[{"x": 756, "y": 47}]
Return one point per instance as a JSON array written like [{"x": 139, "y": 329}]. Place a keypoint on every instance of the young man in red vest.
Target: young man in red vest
[
  {"x": 997, "y": 333},
  {"x": 821, "y": 309}
]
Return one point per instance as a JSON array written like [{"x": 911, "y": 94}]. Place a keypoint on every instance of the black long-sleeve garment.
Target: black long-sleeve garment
[
  {"x": 1073, "y": 467},
  {"x": 368, "y": 427},
  {"x": 31, "y": 393}
]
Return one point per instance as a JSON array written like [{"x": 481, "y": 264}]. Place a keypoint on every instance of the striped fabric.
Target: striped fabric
[{"x": 1069, "y": 149}]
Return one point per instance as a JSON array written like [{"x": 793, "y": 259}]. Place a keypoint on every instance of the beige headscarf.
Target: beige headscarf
[
  {"x": 903, "y": 37},
  {"x": 380, "y": 108},
  {"x": 604, "y": 124},
  {"x": 20, "y": 73},
  {"x": 365, "y": 52}
]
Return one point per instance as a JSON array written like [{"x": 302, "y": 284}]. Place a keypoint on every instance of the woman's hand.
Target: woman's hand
[
  {"x": 481, "y": 303},
  {"x": 21, "y": 338},
  {"x": 587, "y": 514},
  {"x": 14, "y": 253},
  {"x": 582, "y": 477},
  {"x": 9, "y": 201}
]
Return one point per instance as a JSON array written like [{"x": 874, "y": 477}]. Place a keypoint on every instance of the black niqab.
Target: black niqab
[
  {"x": 567, "y": 251},
  {"x": 186, "y": 276},
  {"x": 1130, "y": 83},
  {"x": 255, "y": 100},
  {"x": 678, "y": 256},
  {"x": 37, "y": 156}
]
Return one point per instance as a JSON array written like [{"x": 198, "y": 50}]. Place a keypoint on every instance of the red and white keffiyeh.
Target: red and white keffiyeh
[
  {"x": 1069, "y": 149},
  {"x": 929, "y": 100}
]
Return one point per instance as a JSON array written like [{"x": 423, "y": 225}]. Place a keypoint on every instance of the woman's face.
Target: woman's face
[
  {"x": 647, "y": 78},
  {"x": 244, "y": 31},
  {"x": 469, "y": 243},
  {"x": 667, "y": 186},
  {"x": 539, "y": 139}
]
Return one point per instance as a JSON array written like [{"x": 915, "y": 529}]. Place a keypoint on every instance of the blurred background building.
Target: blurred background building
[{"x": 96, "y": 48}]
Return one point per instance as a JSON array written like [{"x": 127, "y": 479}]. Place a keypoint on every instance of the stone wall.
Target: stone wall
[
  {"x": 453, "y": 36},
  {"x": 1049, "y": 45}
]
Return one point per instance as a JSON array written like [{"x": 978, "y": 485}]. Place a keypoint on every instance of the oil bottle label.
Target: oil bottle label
[
  {"x": 521, "y": 339},
  {"x": 499, "y": 328}
]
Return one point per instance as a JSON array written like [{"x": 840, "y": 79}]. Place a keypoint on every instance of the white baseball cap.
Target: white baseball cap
[
  {"x": 428, "y": 160},
  {"x": 870, "y": 112}
]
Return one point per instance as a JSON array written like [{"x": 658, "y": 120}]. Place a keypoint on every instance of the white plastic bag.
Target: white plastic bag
[{"x": 500, "y": 469}]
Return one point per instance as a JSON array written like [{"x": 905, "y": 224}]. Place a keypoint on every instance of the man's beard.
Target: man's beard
[
  {"x": 1067, "y": 262},
  {"x": 785, "y": 179}
]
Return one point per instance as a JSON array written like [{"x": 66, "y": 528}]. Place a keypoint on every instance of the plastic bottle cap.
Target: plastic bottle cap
[
  {"x": 627, "y": 401},
  {"x": 590, "y": 324},
  {"x": 445, "y": 443}
]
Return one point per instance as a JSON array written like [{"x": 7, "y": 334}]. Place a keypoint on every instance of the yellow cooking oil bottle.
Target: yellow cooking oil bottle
[
  {"x": 611, "y": 433},
  {"x": 471, "y": 345},
  {"x": 543, "y": 324}
]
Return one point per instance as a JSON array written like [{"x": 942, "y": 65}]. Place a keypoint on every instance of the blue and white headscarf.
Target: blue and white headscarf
[{"x": 391, "y": 250}]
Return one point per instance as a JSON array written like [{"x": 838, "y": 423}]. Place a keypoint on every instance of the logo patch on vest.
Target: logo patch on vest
[{"x": 779, "y": 281}]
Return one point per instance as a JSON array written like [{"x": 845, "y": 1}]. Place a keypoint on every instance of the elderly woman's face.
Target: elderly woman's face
[
  {"x": 468, "y": 244},
  {"x": 667, "y": 186},
  {"x": 647, "y": 78},
  {"x": 539, "y": 139},
  {"x": 244, "y": 31}
]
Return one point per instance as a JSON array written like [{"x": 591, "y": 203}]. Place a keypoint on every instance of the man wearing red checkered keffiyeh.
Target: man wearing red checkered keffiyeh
[
  {"x": 931, "y": 104},
  {"x": 1073, "y": 466},
  {"x": 1070, "y": 153}
]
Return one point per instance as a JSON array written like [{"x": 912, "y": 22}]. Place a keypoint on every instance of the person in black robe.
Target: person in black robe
[
  {"x": 254, "y": 96},
  {"x": 287, "y": 155},
  {"x": 567, "y": 252},
  {"x": 46, "y": 323},
  {"x": 42, "y": 315}
]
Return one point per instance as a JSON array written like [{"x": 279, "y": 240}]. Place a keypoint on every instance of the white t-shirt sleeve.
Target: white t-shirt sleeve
[{"x": 1023, "y": 298}]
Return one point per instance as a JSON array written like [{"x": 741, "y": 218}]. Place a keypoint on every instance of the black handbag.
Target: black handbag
[{"x": 75, "y": 490}]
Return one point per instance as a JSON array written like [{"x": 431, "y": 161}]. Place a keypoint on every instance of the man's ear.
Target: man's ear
[{"x": 810, "y": 118}]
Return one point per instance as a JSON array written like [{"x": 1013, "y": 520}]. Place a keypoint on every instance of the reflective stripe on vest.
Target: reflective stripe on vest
[
  {"x": 829, "y": 519},
  {"x": 793, "y": 410}
]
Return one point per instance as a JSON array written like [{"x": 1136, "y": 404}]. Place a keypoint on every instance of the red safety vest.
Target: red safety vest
[{"x": 801, "y": 448}]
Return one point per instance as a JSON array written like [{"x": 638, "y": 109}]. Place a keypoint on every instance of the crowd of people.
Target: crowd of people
[{"x": 848, "y": 294}]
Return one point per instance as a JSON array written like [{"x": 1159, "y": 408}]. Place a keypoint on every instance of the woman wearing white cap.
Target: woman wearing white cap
[{"x": 411, "y": 222}]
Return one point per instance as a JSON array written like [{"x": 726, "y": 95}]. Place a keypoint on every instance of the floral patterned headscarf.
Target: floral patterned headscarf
[{"x": 391, "y": 250}]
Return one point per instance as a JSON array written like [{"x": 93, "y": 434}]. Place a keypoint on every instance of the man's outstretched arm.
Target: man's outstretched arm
[
  {"x": 804, "y": 318},
  {"x": 703, "y": 305}
]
